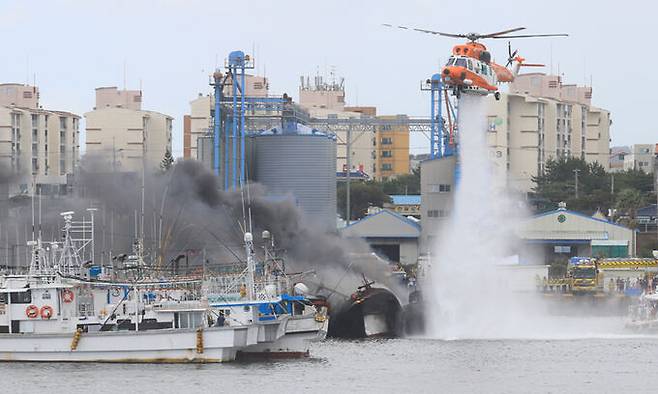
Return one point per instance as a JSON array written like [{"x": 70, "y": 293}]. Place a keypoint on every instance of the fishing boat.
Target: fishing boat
[
  {"x": 58, "y": 312},
  {"x": 372, "y": 311},
  {"x": 307, "y": 316}
]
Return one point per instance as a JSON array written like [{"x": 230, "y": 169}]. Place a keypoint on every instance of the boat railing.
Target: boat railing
[
  {"x": 223, "y": 284},
  {"x": 272, "y": 288}
]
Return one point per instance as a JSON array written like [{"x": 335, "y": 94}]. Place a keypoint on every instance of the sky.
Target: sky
[{"x": 170, "y": 47}]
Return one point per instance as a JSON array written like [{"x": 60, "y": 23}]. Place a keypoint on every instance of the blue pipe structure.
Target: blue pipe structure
[
  {"x": 436, "y": 122},
  {"x": 227, "y": 133},
  {"x": 432, "y": 122},
  {"x": 234, "y": 133},
  {"x": 233, "y": 122},
  {"x": 242, "y": 130},
  {"x": 217, "y": 76}
]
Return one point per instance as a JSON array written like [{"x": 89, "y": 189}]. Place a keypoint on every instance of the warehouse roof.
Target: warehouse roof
[
  {"x": 401, "y": 199},
  {"x": 383, "y": 224}
]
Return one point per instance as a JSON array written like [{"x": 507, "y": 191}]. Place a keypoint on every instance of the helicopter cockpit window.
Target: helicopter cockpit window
[
  {"x": 460, "y": 62},
  {"x": 470, "y": 65},
  {"x": 451, "y": 61}
]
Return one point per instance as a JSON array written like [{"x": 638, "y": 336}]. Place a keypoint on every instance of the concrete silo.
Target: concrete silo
[{"x": 299, "y": 162}]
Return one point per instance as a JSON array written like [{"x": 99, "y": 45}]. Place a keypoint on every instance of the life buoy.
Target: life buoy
[
  {"x": 32, "y": 311},
  {"x": 46, "y": 312},
  {"x": 67, "y": 296},
  {"x": 116, "y": 292}
]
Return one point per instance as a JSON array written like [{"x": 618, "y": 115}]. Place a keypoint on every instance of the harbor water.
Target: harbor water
[{"x": 596, "y": 364}]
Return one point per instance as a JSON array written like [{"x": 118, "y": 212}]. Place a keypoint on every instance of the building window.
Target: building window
[
  {"x": 387, "y": 153},
  {"x": 437, "y": 213},
  {"x": 62, "y": 123},
  {"x": 440, "y": 188},
  {"x": 387, "y": 167},
  {"x": 387, "y": 141},
  {"x": 386, "y": 127}
]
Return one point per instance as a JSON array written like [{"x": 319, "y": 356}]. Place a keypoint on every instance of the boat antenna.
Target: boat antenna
[{"x": 34, "y": 187}]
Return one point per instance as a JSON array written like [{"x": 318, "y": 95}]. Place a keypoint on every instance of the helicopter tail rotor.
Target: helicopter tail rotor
[{"x": 511, "y": 55}]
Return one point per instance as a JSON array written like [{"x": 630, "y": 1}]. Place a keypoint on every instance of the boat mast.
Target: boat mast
[{"x": 249, "y": 248}]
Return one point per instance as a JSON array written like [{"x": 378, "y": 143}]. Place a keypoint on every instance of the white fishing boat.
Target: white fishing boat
[
  {"x": 307, "y": 319},
  {"x": 54, "y": 313}
]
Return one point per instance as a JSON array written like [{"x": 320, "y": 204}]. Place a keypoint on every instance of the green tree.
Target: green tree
[
  {"x": 403, "y": 184},
  {"x": 558, "y": 183},
  {"x": 362, "y": 196},
  {"x": 628, "y": 202}
]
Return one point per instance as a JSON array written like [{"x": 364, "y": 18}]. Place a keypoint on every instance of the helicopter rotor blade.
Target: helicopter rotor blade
[
  {"x": 426, "y": 31},
  {"x": 532, "y": 35},
  {"x": 491, "y": 35}
]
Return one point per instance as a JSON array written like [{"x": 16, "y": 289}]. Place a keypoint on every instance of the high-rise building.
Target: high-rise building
[
  {"x": 123, "y": 134},
  {"x": 40, "y": 146},
  {"x": 542, "y": 119}
]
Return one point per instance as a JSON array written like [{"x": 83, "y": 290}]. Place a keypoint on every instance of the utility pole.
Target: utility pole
[
  {"x": 348, "y": 157},
  {"x": 576, "y": 171},
  {"x": 612, "y": 183}
]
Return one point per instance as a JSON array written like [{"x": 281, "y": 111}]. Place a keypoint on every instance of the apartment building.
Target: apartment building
[
  {"x": 617, "y": 157},
  {"x": 391, "y": 147},
  {"x": 640, "y": 157},
  {"x": 39, "y": 146},
  {"x": 124, "y": 135},
  {"x": 542, "y": 119}
]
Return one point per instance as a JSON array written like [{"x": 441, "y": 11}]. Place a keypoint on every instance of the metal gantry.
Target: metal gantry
[{"x": 442, "y": 138}]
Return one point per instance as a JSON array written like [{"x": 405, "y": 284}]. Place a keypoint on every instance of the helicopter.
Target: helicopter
[{"x": 470, "y": 69}]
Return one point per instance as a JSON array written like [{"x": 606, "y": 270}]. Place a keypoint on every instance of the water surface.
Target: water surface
[{"x": 597, "y": 365}]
